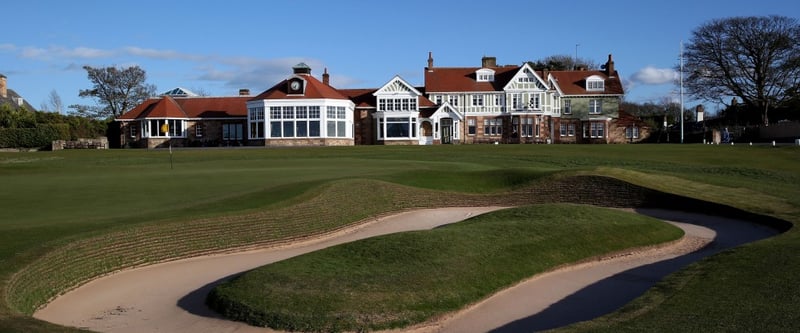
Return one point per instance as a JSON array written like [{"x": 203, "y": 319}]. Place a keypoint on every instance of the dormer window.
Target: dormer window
[
  {"x": 484, "y": 75},
  {"x": 595, "y": 83}
]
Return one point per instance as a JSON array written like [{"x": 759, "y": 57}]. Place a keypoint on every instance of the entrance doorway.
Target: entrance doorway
[{"x": 447, "y": 130}]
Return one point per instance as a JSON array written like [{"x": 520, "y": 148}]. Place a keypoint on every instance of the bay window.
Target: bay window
[
  {"x": 295, "y": 121},
  {"x": 153, "y": 128}
]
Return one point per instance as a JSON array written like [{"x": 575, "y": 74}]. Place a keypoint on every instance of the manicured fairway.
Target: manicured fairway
[{"x": 71, "y": 215}]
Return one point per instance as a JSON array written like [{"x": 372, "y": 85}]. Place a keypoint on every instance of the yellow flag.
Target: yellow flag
[{"x": 164, "y": 128}]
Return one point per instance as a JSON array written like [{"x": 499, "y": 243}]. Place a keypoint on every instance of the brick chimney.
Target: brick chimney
[
  {"x": 488, "y": 62},
  {"x": 3, "y": 87},
  {"x": 610, "y": 66},
  {"x": 244, "y": 92},
  {"x": 326, "y": 78},
  {"x": 700, "y": 112}
]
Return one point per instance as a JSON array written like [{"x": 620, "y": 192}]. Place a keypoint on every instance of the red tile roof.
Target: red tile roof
[
  {"x": 453, "y": 79},
  {"x": 574, "y": 82},
  {"x": 462, "y": 79},
  {"x": 189, "y": 107},
  {"x": 361, "y": 97},
  {"x": 314, "y": 89}
]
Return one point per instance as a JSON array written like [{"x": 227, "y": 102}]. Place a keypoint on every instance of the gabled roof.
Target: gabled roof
[
  {"x": 446, "y": 107},
  {"x": 397, "y": 85},
  {"x": 574, "y": 82},
  {"x": 13, "y": 100},
  {"x": 365, "y": 98},
  {"x": 452, "y": 79},
  {"x": 314, "y": 89},
  {"x": 189, "y": 107},
  {"x": 527, "y": 70}
]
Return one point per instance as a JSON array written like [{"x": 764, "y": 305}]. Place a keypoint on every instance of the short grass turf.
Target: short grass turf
[
  {"x": 52, "y": 202},
  {"x": 402, "y": 279}
]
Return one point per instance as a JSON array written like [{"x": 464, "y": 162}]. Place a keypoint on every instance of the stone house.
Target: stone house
[
  {"x": 11, "y": 97},
  {"x": 467, "y": 105}
]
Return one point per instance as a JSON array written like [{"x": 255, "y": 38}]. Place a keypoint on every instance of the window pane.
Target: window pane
[
  {"x": 331, "y": 129},
  {"x": 275, "y": 112},
  {"x": 288, "y": 129},
  {"x": 301, "y": 112},
  {"x": 254, "y": 130},
  {"x": 301, "y": 128},
  {"x": 275, "y": 129},
  {"x": 313, "y": 112},
  {"x": 396, "y": 130},
  {"x": 313, "y": 128},
  {"x": 288, "y": 112},
  {"x": 340, "y": 128}
]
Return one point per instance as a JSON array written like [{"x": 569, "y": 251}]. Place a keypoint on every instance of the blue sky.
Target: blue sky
[{"x": 219, "y": 47}]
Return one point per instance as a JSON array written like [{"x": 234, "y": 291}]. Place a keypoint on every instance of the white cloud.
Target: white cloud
[
  {"x": 653, "y": 75},
  {"x": 7, "y": 47},
  {"x": 229, "y": 71},
  {"x": 160, "y": 54},
  {"x": 84, "y": 53}
]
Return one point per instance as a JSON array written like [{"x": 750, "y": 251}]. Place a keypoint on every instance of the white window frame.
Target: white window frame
[
  {"x": 594, "y": 129},
  {"x": 535, "y": 101},
  {"x": 453, "y": 99},
  {"x": 472, "y": 129},
  {"x": 177, "y": 128},
  {"x": 477, "y": 100},
  {"x": 632, "y": 132},
  {"x": 595, "y": 106},
  {"x": 493, "y": 126},
  {"x": 527, "y": 127},
  {"x": 595, "y": 85}
]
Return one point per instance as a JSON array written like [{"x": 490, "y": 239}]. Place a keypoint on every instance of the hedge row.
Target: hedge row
[{"x": 40, "y": 136}]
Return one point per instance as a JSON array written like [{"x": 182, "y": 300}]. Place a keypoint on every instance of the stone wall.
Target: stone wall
[
  {"x": 399, "y": 142},
  {"x": 308, "y": 142},
  {"x": 81, "y": 143}
]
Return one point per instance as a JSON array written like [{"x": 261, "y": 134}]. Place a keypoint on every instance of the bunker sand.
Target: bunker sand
[{"x": 169, "y": 297}]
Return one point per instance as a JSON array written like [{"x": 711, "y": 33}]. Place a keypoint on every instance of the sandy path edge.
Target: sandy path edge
[{"x": 168, "y": 297}]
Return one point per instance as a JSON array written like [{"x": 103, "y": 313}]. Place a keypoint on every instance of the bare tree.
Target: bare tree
[
  {"x": 563, "y": 62},
  {"x": 53, "y": 103},
  {"x": 116, "y": 90},
  {"x": 756, "y": 59}
]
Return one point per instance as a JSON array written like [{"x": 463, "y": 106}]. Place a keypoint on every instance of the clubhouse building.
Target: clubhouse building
[{"x": 457, "y": 105}]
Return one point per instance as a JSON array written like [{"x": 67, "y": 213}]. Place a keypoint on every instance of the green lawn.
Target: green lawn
[{"x": 69, "y": 215}]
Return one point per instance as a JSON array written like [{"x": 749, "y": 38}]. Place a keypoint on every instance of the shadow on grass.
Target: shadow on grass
[{"x": 608, "y": 295}]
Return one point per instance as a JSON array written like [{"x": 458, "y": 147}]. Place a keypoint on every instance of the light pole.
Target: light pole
[{"x": 575, "y": 65}]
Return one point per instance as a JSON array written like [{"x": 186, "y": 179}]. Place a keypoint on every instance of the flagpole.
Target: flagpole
[
  {"x": 681, "y": 73},
  {"x": 170, "y": 152},
  {"x": 165, "y": 130}
]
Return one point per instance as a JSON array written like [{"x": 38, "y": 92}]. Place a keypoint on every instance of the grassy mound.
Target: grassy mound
[{"x": 402, "y": 279}]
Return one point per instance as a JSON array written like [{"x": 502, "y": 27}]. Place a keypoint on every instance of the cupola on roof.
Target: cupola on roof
[{"x": 302, "y": 68}]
